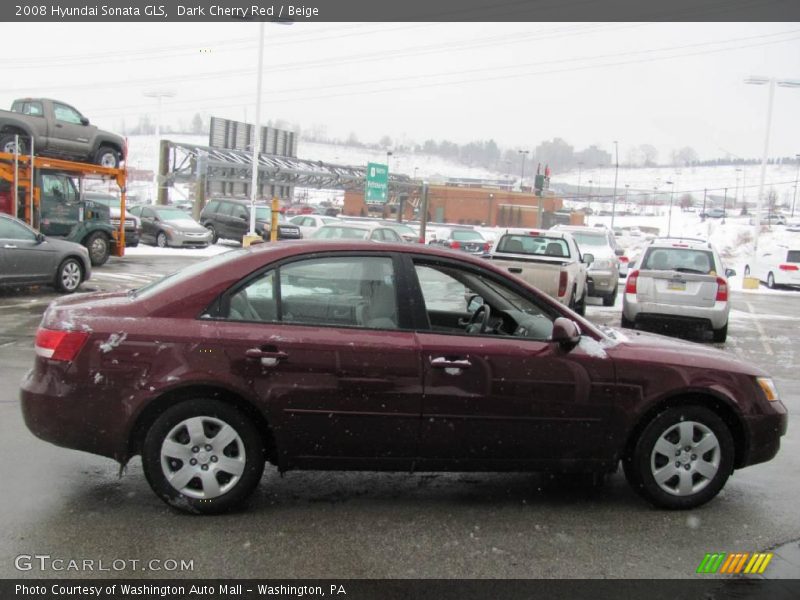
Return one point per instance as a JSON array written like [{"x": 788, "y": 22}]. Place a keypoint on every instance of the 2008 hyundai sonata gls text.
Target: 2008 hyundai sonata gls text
[{"x": 314, "y": 355}]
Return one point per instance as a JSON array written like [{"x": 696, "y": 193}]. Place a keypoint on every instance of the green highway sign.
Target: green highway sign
[{"x": 377, "y": 190}]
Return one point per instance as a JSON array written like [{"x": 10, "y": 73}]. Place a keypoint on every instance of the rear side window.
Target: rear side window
[
  {"x": 793, "y": 256},
  {"x": 33, "y": 109},
  {"x": 212, "y": 206},
  {"x": 686, "y": 260},
  {"x": 225, "y": 208}
]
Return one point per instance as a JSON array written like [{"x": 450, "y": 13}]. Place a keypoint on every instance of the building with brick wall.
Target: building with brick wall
[{"x": 470, "y": 206}]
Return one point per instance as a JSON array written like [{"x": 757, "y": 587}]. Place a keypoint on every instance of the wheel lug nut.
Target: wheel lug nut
[
  {"x": 687, "y": 467},
  {"x": 195, "y": 449},
  {"x": 193, "y": 462},
  {"x": 677, "y": 452},
  {"x": 208, "y": 446},
  {"x": 694, "y": 456},
  {"x": 687, "y": 448},
  {"x": 213, "y": 459},
  {"x": 205, "y": 467},
  {"x": 677, "y": 463}
]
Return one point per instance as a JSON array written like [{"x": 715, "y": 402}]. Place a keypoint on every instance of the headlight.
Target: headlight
[{"x": 768, "y": 387}]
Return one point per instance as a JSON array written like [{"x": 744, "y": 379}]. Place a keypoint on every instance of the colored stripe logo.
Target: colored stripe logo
[{"x": 735, "y": 563}]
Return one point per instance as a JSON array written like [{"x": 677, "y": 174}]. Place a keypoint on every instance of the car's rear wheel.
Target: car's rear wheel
[
  {"x": 581, "y": 307},
  {"x": 107, "y": 157},
  {"x": 161, "y": 240},
  {"x": 626, "y": 323},
  {"x": 214, "y": 236},
  {"x": 682, "y": 458},
  {"x": 771, "y": 281},
  {"x": 203, "y": 456},
  {"x": 99, "y": 248},
  {"x": 611, "y": 298},
  {"x": 721, "y": 334},
  {"x": 572, "y": 302},
  {"x": 69, "y": 275}
]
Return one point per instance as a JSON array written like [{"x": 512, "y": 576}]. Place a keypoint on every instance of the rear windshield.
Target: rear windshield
[
  {"x": 793, "y": 256},
  {"x": 685, "y": 260},
  {"x": 589, "y": 239},
  {"x": 333, "y": 232},
  {"x": 533, "y": 245},
  {"x": 467, "y": 235},
  {"x": 193, "y": 270}
]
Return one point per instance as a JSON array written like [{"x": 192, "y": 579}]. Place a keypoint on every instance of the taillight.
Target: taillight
[
  {"x": 722, "y": 290},
  {"x": 455, "y": 245},
  {"x": 788, "y": 267},
  {"x": 562, "y": 283},
  {"x": 630, "y": 284},
  {"x": 59, "y": 345},
  {"x": 487, "y": 246}
]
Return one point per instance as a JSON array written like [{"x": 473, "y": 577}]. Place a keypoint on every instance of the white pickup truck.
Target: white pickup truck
[{"x": 548, "y": 260}]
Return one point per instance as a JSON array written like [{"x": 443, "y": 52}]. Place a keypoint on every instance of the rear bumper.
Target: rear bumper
[
  {"x": 601, "y": 283},
  {"x": 714, "y": 317}
]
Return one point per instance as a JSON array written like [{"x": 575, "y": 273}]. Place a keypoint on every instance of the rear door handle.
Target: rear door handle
[
  {"x": 514, "y": 270},
  {"x": 267, "y": 358},
  {"x": 442, "y": 362}
]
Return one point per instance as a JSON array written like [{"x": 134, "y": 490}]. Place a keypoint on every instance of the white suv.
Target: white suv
[{"x": 682, "y": 281}]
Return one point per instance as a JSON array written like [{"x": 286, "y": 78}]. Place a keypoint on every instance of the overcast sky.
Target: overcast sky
[{"x": 670, "y": 85}]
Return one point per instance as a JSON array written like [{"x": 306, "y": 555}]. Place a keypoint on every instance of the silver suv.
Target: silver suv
[
  {"x": 603, "y": 273},
  {"x": 681, "y": 281}
]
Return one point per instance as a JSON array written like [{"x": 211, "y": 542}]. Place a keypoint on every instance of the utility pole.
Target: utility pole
[
  {"x": 796, "y": 177},
  {"x": 616, "y": 172},
  {"x": 522, "y": 169},
  {"x": 724, "y": 205}
]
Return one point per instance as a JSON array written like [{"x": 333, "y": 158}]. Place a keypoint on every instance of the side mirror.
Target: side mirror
[
  {"x": 730, "y": 272},
  {"x": 566, "y": 333},
  {"x": 84, "y": 121},
  {"x": 619, "y": 252},
  {"x": 40, "y": 238},
  {"x": 588, "y": 258}
]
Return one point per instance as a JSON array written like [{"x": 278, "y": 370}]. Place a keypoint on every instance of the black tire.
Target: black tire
[
  {"x": 99, "y": 246},
  {"x": 7, "y": 143},
  {"x": 69, "y": 275},
  {"x": 721, "y": 334},
  {"x": 626, "y": 323},
  {"x": 161, "y": 240},
  {"x": 581, "y": 308},
  {"x": 771, "y": 281},
  {"x": 666, "y": 427},
  {"x": 572, "y": 302},
  {"x": 747, "y": 270},
  {"x": 610, "y": 299},
  {"x": 106, "y": 156},
  {"x": 200, "y": 494},
  {"x": 214, "y": 236}
]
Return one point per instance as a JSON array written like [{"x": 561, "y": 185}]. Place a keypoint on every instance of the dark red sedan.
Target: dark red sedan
[{"x": 314, "y": 355}]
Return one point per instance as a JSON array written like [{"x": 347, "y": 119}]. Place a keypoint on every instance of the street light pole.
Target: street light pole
[
  {"x": 757, "y": 80},
  {"x": 616, "y": 172},
  {"x": 256, "y": 138},
  {"x": 669, "y": 217},
  {"x": 796, "y": 177},
  {"x": 522, "y": 169},
  {"x": 578, "y": 195},
  {"x": 158, "y": 95}
]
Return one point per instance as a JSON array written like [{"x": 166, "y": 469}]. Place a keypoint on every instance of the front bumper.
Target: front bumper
[
  {"x": 183, "y": 239},
  {"x": 764, "y": 435}
]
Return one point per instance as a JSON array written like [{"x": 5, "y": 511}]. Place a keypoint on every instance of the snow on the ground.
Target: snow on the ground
[{"x": 212, "y": 250}]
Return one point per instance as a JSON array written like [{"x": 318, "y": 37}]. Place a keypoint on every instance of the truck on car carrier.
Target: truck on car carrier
[{"x": 47, "y": 194}]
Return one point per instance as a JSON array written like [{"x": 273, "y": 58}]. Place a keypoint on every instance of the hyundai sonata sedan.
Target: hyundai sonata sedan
[{"x": 353, "y": 355}]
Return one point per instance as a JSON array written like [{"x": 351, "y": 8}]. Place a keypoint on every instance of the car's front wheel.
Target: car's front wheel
[
  {"x": 213, "y": 232},
  {"x": 682, "y": 458},
  {"x": 12, "y": 143},
  {"x": 107, "y": 157},
  {"x": 203, "y": 456},
  {"x": 161, "y": 240},
  {"x": 69, "y": 275}
]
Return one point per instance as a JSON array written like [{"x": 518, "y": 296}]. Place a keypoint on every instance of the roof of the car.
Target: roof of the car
[
  {"x": 677, "y": 242},
  {"x": 536, "y": 232},
  {"x": 581, "y": 229}
]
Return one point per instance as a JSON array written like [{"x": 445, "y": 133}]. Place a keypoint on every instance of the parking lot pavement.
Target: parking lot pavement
[{"x": 313, "y": 524}]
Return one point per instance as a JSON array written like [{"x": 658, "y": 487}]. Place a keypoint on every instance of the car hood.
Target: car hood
[
  {"x": 187, "y": 225},
  {"x": 638, "y": 345}
]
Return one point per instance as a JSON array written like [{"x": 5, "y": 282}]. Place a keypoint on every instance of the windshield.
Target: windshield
[
  {"x": 172, "y": 214},
  {"x": 685, "y": 260}
]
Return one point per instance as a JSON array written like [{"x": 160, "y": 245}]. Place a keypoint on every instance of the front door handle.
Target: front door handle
[
  {"x": 515, "y": 270},
  {"x": 442, "y": 362},
  {"x": 267, "y": 358},
  {"x": 9, "y": 247}
]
